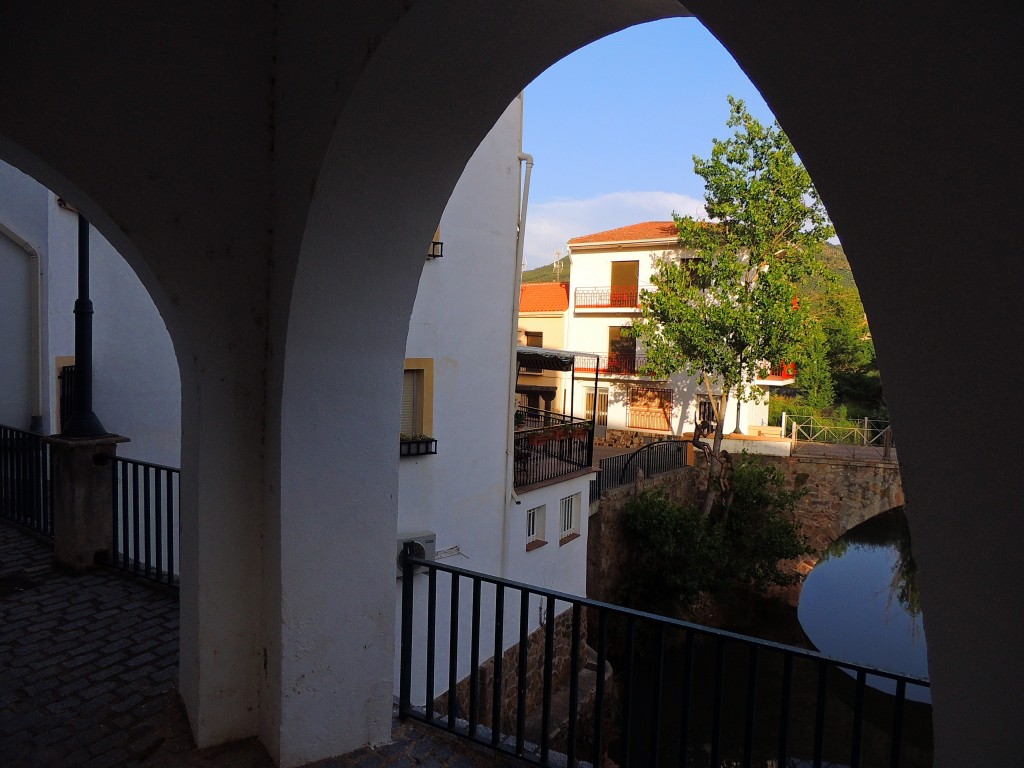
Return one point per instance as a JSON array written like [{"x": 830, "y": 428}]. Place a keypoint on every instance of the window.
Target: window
[
  {"x": 569, "y": 518},
  {"x": 625, "y": 281},
  {"x": 534, "y": 339},
  {"x": 535, "y": 523},
  {"x": 650, "y": 408},
  {"x": 705, "y": 410},
  {"x": 621, "y": 351},
  {"x": 417, "y": 398}
]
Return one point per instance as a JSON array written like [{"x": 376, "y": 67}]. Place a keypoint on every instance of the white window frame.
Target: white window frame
[
  {"x": 568, "y": 518},
  {"x": 536, "y": 523}
]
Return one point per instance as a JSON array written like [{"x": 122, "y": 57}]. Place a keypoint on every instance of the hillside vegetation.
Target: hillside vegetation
[{"x": 546, "y": 274}]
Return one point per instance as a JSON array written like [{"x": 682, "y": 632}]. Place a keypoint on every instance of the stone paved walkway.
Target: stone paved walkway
[{"x": 88, "y": 669}]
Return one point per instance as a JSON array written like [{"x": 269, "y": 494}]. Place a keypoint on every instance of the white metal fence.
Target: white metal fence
[{"x": 863, "y": 438}]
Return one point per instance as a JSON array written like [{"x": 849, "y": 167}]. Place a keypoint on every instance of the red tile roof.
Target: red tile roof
[
  {"x": 544, "y": 297},
  {"x": 647, "y": 230}
]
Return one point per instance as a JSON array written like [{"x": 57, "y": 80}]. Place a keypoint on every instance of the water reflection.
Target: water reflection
[{"x": 860, "y": 603}]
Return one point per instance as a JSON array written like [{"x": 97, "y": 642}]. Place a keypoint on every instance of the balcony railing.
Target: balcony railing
[
  {"x": 653, "y": 459},
  {"x": 548, "y": 445},
  {"x": 782, "y": 371},
  {"x": 145, "y": 519},
  {"x": 604, "y": 297},
  {"x": 681, "y": 694},
  {"x": 26, "y": 490},
  {"x": 625, "y": 363}
]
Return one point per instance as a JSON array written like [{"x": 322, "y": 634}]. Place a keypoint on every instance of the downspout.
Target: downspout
[{"x": 513, "y": 367}]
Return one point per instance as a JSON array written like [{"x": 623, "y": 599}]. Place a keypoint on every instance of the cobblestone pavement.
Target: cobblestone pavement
[{"x": 88, "y": 669}]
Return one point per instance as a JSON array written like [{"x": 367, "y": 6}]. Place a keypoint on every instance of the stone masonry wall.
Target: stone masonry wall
[
  {"x": 627, "y": 438},
  {"x": 840, "y": 495},
  {"x": 562, "y": 660}
]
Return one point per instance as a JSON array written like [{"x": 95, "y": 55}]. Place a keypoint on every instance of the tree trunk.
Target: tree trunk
[{"x": 716, "y": 448}]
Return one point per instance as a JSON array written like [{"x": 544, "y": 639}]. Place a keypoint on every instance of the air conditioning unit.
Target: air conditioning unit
[{"x": 424, "y": 544}]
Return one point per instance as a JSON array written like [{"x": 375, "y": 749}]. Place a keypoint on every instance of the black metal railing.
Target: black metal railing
[
  {"x": 535, "y": 418},
  {"x": 145, "y": 519},
  {"x": 653, "y": 459},
  {"x": 26, "y": 486},
  {"x": 611, "y": 297},
  {"x": 625, "y": 363},
  {"x": 681, "y": 694},
  {"x": 549, "y": 445}
]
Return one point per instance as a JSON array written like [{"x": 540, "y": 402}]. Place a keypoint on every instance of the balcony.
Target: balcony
[
  {"x": 550, "y": 445},
  {"x": 779, "y": 375},
  {"x": 608, "y": 297},
  {"x": 636, "y": 688},
  {"x": 622, "y": 364}
]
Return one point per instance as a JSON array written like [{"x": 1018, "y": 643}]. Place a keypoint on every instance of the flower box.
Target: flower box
[{"x": 418, "y": 446}]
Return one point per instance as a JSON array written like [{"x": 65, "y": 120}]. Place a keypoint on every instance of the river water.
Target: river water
[{"x": 860, "y": 602}]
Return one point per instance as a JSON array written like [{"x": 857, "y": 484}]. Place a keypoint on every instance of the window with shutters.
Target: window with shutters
[
  {"x": 535, "y": 524},
  {"x": 706, "y": 409},
  {"x": 650, "y": 408},
  {"x": 412, "y": 402},
  {"x": 416, "y": 425},
  {"x": 568, "y": 518}
]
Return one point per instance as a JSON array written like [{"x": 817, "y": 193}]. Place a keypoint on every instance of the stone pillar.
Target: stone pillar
[{"x": 82, "y": 498}]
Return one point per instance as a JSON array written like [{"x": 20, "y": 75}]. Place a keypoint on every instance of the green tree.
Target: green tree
[
  {"x": 676, "y": 552},
  {"x": 729, "y": 310},
  {"x": 812, "y": 364}
]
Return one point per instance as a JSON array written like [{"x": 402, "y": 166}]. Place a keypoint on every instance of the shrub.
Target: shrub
[{"x": 676, "y": 553}]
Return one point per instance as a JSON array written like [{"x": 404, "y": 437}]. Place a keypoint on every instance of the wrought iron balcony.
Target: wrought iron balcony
[
  {"x": 625, "y": 364},
  {"x": 607, "y": 297},
  {"x": 549, "y": 445},
  {"x": 781, "y": 372}
]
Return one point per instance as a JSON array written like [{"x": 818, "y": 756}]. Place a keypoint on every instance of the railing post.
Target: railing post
[
  {"x": 865, "y": 434},
  {"x": 83, "y": 497},
  {"x": 782, "y": 431},
  {"x": 405, "y": 682}
]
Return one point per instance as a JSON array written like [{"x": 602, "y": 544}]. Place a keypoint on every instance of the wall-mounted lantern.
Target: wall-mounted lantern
[{"x": 436, "y": 250}]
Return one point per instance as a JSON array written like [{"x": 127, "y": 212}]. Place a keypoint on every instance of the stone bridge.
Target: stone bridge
[{"x": 841, "y": 493}]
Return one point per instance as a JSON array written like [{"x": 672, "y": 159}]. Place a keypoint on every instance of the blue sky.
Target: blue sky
[{"x": 613, "y": 129}]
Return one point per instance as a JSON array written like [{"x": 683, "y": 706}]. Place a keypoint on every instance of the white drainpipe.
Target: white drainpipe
[{"x": 510, "y": 498}]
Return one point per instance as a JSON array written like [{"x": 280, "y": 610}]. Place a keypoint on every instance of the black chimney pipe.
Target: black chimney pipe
[{"x": 83, "y": 422}]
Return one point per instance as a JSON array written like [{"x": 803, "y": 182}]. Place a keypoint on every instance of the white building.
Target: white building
[
  {"x": 247, "y": 161},
  {"x": 458, "y": 484},
  {"x": 458, "y": 389},
  {"x": 609, "y": 270},
  {"x": 136, "y": 385}
]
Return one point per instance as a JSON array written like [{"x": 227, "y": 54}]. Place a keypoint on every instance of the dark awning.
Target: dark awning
[{"x": 547, "y": 359}]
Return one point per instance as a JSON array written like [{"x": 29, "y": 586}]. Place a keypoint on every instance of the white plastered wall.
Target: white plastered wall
[
  {"x": 462, "y": 320},
  {"x": 137, "y": 390},
  {"x": 911, "y": 110}
]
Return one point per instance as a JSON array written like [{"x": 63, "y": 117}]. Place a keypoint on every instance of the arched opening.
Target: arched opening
[
  {"x": 389, "y": 158},
  {"x": 908, "y": 107},
  {"x": 136, "y": 381}
]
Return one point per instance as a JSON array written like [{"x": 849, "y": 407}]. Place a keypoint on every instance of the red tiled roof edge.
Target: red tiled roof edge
[
  {"x": 544, "y": 297},
  {"x": 646, "y": 230}
]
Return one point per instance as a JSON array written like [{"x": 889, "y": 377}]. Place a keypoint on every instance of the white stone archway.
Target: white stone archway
[
  {"x": 231, "y": 151},
  {"x": 402, "y": 143}
]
